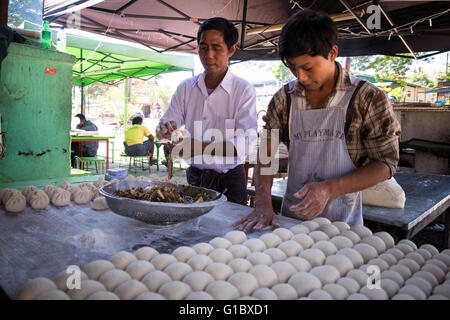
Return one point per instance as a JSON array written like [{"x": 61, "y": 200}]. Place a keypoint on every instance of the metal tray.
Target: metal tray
[{"x": 158, "y": 212}]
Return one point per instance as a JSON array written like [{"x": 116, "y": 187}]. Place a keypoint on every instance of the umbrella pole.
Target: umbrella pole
[{"x": 125, "y": 111}]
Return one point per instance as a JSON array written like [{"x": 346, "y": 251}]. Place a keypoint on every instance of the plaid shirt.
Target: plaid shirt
[{"x": 373, "y": 132}]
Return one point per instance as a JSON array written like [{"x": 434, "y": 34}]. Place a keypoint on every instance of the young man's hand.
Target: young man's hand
[
  {"x": 258, "y": 219},
  {"x": 316, "y": 196},
  {"x": 164, "y": 130}
]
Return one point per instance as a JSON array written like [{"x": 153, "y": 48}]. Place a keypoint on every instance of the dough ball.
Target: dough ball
[
  {"x": 155, "y": 279},
  {"x": 96, "y": 268},
  {"x": 16, "y": 203},
  {"x": 389, "y": 286},
  {"x": 366, "y": 251},
  {"x": 178, "y": 270},
  {"x": 219, "y": 242},
  {"x": 203, "y": 248},
  {"x": 337, "y": 291},
  {"x": 60, "y": 198},
  {"x": 442, "y": 290},
  {"x": 74, "y": 190},
  {"x": 416, "y": 257},
  {"x": 284, "y": 270},
  {"x": 408, "y": 242},
  {"x": 113, "y": 278},
  {"x": 276, "y": 254},
  {"x": 39, "y": 200},
  {"x": 426, "y": 255},
  {"x": 326, "y": 273},
  {"x": 199, "y": 295},
  {"x": 100, "y": 203},
  {"x": 402, "y": 296},
  {"x": 255, "y": 244},
  {"x": 199, "y": 262},
  {"x": 389, "y": 258},
  {"x": 359, "y": 276},
  {"x": 340, "y": 262},
  {"x": 290, "y": 247},
  {"x": 374, "y": 294},
  {"x": 299, "y": 228},
  {"x": 53, "y": 295},
  {"x": 330, "y": 230},
  {"x": 361, "y": 231},
  {"x": 437, "y": 297},
  {"x": 375, "y": 242},
  {"x": 7, "y": 193},
  {"x": 271, "y": 240},
  {"x": 304, "y": 240},
  {"x": 239, "y": 251},
  {"x": 300, "y": 264},
  {"x": 304, "y": 283},
  {"x": 410, "y": 264},
  {"x": 264, "y": 294},
  {"x": 387, "y": 239},
  {"x": 311, "y": 225},
  {"x": 341, "y": 242},
  {"x": 220, "y": 255},
  {"x": 103, "y": 295},
  {"x": 357, "y": 296},
  {"x": 245, "y": 282},
  {"x": 354, "y": 256},
  {"x": 28, "y": 191},
  {"x": 397, "y": 253},
  {"x": 61, "y": 279},
  {"x": 428, "y": 276},
  {"x": 162, "y": 260},
  {"x": 198, "y": 280},
  {"x": 139, "y": 268},
  {"x": 320, "y": 294},
  {"x": 83, "y": 196},
  {"x": 380, "y": 263},
  {"x": 349, "y": 284},
  {"x": 327, "y": 247},
  {"x": 219, "y": 270},
  {"x": 122, "y": 259},
  {"x": 413, "y": 291},
  {"x": 421, "y": 283},
  {"x": 405, "y": 248},
  {"x": 240, "y": 265},
  {"x": 182, "y": 254},
  {"x": 175, "y": 290},
  {"x": 436, "y": 271},
  {"x": 49, "y": 190},
  {"x": 283, "y": 233},
  {"x": 145, "y": 253},
  {"x": 351, "y": 235},
  {"x": 66, "y": 186},
  {"x": 87, "y": 287},
  {"x": 319, "y": 236},
  {"x": 236, "y": 237},
  {"x": 437, "y": 263},
  {"x": 222, "y": 290},
  {"x": 149, "y": 296},
  {"x": 314, "y": 256},
  {"x": 321, "y": 221},
  {"x": 443, "y": 257},
  {"x": 265, "y": 275},
  {"x": 402, "y": 270},
  {"x": 35, "y": 287},
  {"x": 341, "y": 225},
  {"x": 284, "y": 291},
  {"x": 130, "y": 289},
  {"x": 259, "y": 258}
]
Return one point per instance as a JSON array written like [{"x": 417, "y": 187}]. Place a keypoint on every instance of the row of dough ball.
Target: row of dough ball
[
  {"x": 16, "y": 201},
  {"x": 191, "y": 270}
]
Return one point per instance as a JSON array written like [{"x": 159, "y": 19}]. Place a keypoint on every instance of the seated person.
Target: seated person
[
  {"x": 89, "y": 148},
  {"x": 134, "y": 140}
]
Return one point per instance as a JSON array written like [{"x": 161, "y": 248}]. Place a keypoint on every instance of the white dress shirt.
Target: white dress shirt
[{"x": 231, "y": 106}]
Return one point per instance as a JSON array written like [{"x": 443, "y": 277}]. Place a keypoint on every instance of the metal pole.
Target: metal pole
[
  {"x": 125, "y": 109},
  {"x": 4, "y": 12},
  {"x": 446, "y": 68}
]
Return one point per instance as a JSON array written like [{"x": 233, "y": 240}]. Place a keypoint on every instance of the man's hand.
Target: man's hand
[
  {"x": 164, "y": 130},
  {"x": 151, "y": 137},
  {"x": 258, "y": 219},
  {"x": 316, "y": 196}
]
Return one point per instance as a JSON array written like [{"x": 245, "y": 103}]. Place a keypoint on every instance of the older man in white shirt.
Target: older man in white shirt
[{"x": 218, "y": 109}]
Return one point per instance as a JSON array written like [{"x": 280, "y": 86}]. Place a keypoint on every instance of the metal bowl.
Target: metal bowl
[{"x": 158, "y": 212}]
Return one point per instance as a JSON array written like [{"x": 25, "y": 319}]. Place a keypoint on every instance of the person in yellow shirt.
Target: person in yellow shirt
[{"x": 134, "y": 140}]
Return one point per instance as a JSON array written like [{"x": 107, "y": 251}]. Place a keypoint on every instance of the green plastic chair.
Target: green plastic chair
[{"x": 85, "y": 161}]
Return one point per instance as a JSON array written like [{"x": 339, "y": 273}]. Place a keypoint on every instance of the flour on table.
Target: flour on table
[{"x": 94, "y": 238}]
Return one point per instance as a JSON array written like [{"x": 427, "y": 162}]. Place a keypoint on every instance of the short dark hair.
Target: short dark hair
[
  {"x": 229, "y": 31},
  {"x": 307, "y": 32},
  {"x": 81, "y": 116},
  {"x": 137, "y": 120}
]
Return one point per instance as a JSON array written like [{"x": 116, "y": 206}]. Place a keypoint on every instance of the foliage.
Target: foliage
[
  {"x": 20, "y": 10},
  {"x": 281, "y": 72},
  {"x": 421, "y": 78}
]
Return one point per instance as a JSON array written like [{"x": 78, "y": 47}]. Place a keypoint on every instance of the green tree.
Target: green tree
[
  {"x": 385, "y": 67},
  {"x": 21, "y": 10},
  {"x": 421, "y": 78},
  {"x": 281, "y": 72}
]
